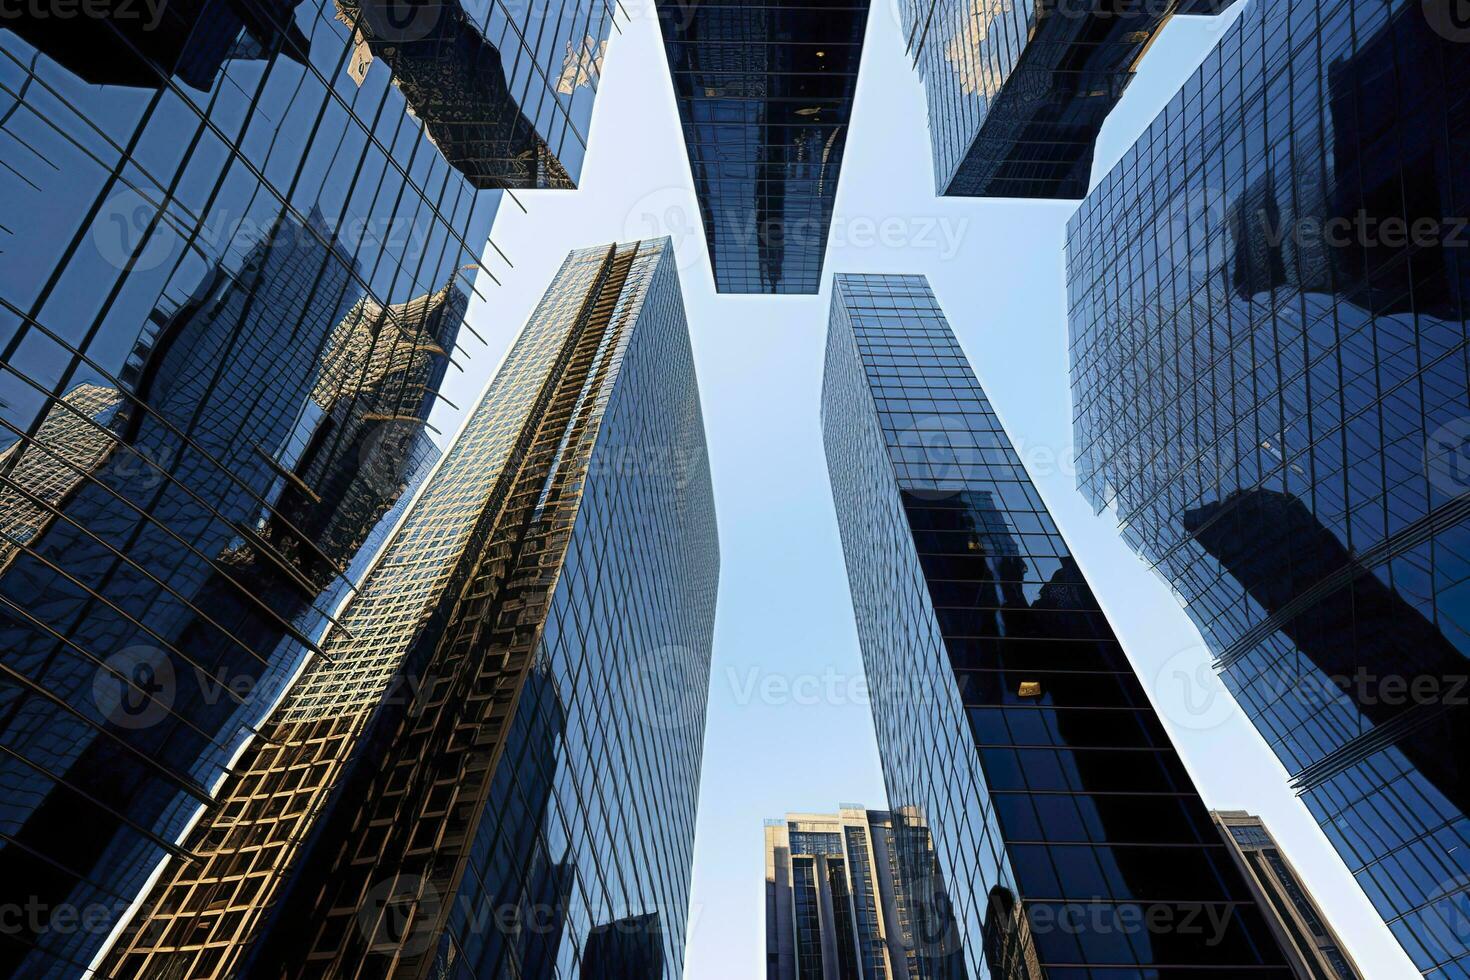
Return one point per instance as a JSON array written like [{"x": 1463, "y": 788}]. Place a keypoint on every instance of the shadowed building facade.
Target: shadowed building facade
[
  {"x": 238, "y": 253},
  {"x": 1018, "y": 90},
  {"x": 1268, "y": 337},
  {"x": 765, "y": 94},
  {"x": 1010, "y": 723},
  {"x": 424, "y": 802}
]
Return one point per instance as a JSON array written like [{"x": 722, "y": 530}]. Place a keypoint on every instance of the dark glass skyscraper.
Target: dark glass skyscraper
[
  {"x": 1019, "y": 89},
  {"x": 492, "y": 770},
  {"x": 765, "y": 94},
  {"x": 1268, "y": 326},
  {"x": 1010, "y": 723},
  {"x": 239, "y": 240}
]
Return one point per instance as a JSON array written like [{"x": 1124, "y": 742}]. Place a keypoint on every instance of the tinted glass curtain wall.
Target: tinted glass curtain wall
[
  {"x": 1041, "y": 793},
  {"x": 765, "y": 93},
  {"x": 1018, "y": 90},
  {"x": 240, "y": 238},
  {"x": 493, "y": 769},
  {"x": 1268, "y": 326}
]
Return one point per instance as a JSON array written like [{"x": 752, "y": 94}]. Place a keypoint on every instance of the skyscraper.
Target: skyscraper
[
  {"x": 496, "y": 758},
  {"x": 1304, "y": 932},
  {"x": 765, "y": 94},
  {"x": 1010, "y": 723},
  {"x": 1268, "y": 326},
  {"x": 238, "y": 250},
  {"x": 836, "y": 904},
  {"x": 1019, "y": 89}
]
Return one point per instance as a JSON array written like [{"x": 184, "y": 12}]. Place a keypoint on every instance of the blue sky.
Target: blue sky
[{"x": 789, "y": 728}]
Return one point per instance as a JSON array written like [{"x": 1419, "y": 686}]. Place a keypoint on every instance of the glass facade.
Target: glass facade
[
  {"x": 1019, "y": 89},
  {"x": 493, "y": 769},
  {"x": 1268, "y": 333},
  {"x": 1011, "y": 727},
  {"x": 765, "y": 94},
  {"x": 239, "y": 240}
]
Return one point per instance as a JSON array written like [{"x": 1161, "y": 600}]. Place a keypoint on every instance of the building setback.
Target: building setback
[
  {"x": 1011, "y": 726},
  {"x": 1018, "y": 91},
  {"x": 765, "y": 94},
  {"x": 1268, "y": 337},
  {"x": 240, "y": 240},
  {"x": 424, "y": 800},
  {"x": 1304, "y": 932}
]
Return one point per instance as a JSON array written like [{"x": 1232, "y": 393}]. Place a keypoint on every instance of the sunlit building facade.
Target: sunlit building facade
[
  {"x": 1311, "y": 943},
  {"x": 837, "y": 905},
  {"x": 240, "y": 240},
  {"x": 492, "y": 770},
  {"x": 765, "y": 95},
  {"x": 1010, "y": 722},
  {"x": 1019, "y": 89},
  {"x": 1268, "y": 332}
]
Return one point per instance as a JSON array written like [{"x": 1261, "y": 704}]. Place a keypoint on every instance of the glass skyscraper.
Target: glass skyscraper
[
  {"x": 1010, "y": 723},
  {"x": 492, "y": 769},
  {"x": 240, "y": 238},
  {"x": 765, "y": 94},
  {"x": 1268, "y": 331},
  {"x": 1019, "y": 89}
]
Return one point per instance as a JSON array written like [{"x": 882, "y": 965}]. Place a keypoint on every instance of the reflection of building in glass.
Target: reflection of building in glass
[
  {"x": 454, "y": 78},
  {"x": 631, "y": 947},
  {"x": 1270, "y": 392},
  {"x": 1007, "y": 713},
  {"x": 1019, "y": 89},
  {"x": 1309, "y": 939},
  {"x": 418, "y": 803},
  {"x": 142, "y": 44},
  {"x": 836, "y": 903},
  {"x": 765, "y": 94},
  {"x": 237, "y": 252}
]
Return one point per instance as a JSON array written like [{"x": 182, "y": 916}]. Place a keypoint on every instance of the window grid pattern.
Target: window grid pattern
[
  {"x": 1019, "y": 89},
  {"x": 1267, "y": 389},
  {"x": 1010, "y": 724},
  {"x": 765, "y": 95}
]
